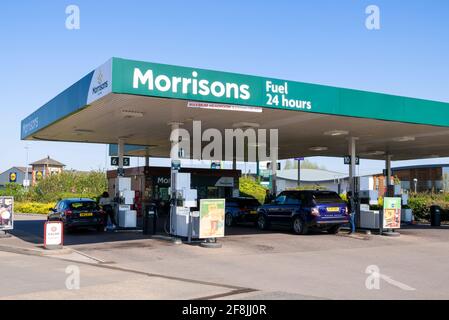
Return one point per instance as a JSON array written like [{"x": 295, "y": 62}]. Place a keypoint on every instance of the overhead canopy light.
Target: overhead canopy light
[
  {"x": 336, "y": 133},
  {"x": 318, "y": 148},
  {"x": 373, "y": 153},
  {"x": 246, "y": 125},
  {"x": 81, "y": 131},
  {"x": 404, "y": 139},
  {"x": 131, "y": 113}
]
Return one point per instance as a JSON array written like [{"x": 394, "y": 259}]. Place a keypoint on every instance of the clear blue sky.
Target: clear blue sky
[{"x": 322, "y": 42}]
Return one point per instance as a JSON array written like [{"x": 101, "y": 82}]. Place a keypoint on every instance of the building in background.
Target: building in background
[
  {"x": 45, "y": 167},
  {"x": 15, "y": 175},
  {"x": 312, "y": 179},
  {"x": 425, "y": 178},
  {"x": 329, "y": 180},
  {"x": 375, "y": 182}
]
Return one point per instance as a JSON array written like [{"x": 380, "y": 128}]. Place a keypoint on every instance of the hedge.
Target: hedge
[{"x": 33, "y": 207}]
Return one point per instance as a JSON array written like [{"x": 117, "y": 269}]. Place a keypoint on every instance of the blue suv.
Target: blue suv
[{"x": 304, "y": 209}]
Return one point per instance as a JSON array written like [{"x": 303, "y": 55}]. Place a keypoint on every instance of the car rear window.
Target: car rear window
[
  {"x": 327, "y": 197},
  {"x": 83, "y": 205}
]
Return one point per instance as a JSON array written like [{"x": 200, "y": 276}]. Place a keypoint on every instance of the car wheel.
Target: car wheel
[
  {"x": 299, "y": 226},
  {"x": 334, "y": 229},
  {"x": 100, "y": 228},
  {"x": 262, "y": 222},
  {"x": 229, "y": 220}
]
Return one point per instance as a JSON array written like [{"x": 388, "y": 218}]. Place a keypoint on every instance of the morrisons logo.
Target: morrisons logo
[
  {"x": 101, "y": 87},
  {"x": 101, "y": 84}
]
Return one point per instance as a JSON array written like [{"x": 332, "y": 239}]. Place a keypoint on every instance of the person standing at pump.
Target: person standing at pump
[
  {"x": 351, "y": 211},
  {"x": 268, "y": 197},
  {"x": 106, "y": 204}
]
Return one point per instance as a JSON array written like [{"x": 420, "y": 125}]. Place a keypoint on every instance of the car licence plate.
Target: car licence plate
[
  {"x": 333, "y": 209},
  {"x": 253, "y": 212},
  {"x": 86, "y": 214}
]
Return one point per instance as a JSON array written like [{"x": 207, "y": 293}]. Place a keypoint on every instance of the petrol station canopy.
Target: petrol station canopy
[{"x": 135, "y": 101}]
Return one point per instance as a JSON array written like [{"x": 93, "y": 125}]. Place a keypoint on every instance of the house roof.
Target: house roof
[
  {"x": 421, "y": 166},
  {"x": 48, "y": 162},
  {"x": 319, "y": 175},
  {"x": 23, "y": 169}
]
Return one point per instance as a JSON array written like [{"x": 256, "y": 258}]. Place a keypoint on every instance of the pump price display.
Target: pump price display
[{"x": 114, "y": 161}]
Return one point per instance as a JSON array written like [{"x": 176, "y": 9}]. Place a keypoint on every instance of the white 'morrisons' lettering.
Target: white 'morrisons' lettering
[
  {"x": 141, "y": 78},
  {"x": 194, "y": 85},
  {"x": 221, "y": 89},
  {"x": 163, "y": 83}
]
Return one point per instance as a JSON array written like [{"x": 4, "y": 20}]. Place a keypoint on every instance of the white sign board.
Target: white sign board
[
  {"x": 222, "y": 106},
  {"x": 53, "y": 234}
]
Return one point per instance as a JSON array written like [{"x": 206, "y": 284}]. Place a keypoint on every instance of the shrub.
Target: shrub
[
  {"x": 69, "y": 184},
  {"x": 420, "y": 207},
  {"x": 33, "y": 207},
  {"x": 14, "y": 190}
]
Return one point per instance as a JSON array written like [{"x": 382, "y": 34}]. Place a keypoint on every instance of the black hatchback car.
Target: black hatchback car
[
  {"x": 77, "y": 213},
  {"x": 303, "y": 209},
  {"x": 240, "y": 209}
]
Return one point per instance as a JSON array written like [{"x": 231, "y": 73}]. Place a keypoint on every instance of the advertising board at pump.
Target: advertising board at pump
[
  {"x": 53, "y": 234},
  {"x": 212, "y": 215},
  {"x": 392, "y": 213},
  {"x": 6, "y": 213}
]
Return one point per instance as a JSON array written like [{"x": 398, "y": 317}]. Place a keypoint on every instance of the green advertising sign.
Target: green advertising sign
[
  {"x": 392, "y": 213},
  {"x": 121, "y": 76},
  {"x": 161, "y": 80}
]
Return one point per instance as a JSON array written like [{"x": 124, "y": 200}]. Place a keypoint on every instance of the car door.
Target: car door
[
  {"x": 291, "y": 206},
  {"x": 275, "y": 210}
]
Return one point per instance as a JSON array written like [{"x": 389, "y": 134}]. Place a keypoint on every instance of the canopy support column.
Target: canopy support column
[
  {"x": 352, "y": 155},
  {"x": 274, "y": 161},
  {"x": 121, "y": 152}
]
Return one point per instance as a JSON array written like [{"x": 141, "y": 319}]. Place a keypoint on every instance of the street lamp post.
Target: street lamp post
[{"x": 26, "y": 184}]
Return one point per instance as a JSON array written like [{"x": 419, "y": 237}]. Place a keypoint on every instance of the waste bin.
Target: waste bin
[
  {"x": 435, "y": 216},
  {"x": 149, "y": 219}
]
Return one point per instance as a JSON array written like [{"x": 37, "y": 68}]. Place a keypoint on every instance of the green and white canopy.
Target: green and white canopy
[{"x": 135, "y": 101}]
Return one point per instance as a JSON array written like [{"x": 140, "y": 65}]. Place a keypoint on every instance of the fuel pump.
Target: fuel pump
[
  {"x": 124, "y": 199},
  {"x": 182, "y": 223}
]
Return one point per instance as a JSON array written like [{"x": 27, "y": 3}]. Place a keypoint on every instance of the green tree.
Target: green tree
[
  {"x": 307, "y": 164},
  {"x": 69, "y": 184},
  {"x": 288, "y": 164}
]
